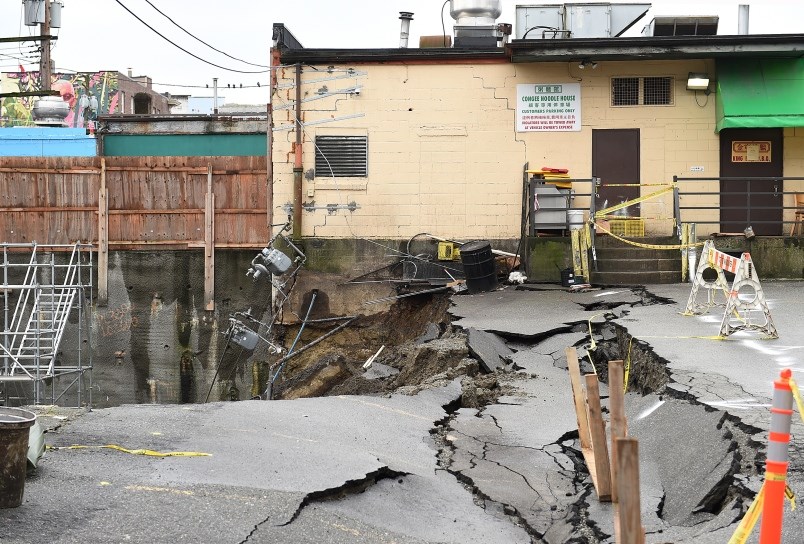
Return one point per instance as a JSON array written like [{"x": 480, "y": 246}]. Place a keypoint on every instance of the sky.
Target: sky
[{"x": 101, "y": 35}]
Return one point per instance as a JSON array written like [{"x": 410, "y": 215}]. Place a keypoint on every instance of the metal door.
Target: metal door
[
  {"x": 615, "y": 160},
  {"x": 751, "y": 154}
]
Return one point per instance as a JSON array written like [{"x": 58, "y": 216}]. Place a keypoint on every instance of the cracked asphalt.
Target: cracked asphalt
[{"x": 410, "y": 469}]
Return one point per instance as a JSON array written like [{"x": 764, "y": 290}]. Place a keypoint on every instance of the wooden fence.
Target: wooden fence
[{"x": 136, "y": 203}]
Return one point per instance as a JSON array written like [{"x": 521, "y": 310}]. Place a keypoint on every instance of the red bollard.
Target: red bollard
[{"x": 776, "y": 463}]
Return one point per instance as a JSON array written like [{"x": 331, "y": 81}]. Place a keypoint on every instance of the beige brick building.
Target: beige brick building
[{"x": 438, "y": 142}]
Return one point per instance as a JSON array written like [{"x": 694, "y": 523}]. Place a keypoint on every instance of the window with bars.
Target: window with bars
[
  {"x": 642, "y": 91},
  {"x": 341, "y": 156}
]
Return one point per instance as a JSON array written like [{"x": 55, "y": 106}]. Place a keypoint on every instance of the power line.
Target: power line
[
  {"x": 200, "y": 40},
  {"x": 183, "y": 49}
]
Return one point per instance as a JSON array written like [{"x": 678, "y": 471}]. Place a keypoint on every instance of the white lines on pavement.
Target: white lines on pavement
[
  {"x": 605, "y": 293},
  {"x": 650, "y": 410},
  {"x": 710, "y": 319},
  {"x": 736, "y": 404}
]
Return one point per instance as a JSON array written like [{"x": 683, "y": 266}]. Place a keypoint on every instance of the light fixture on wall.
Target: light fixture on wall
[
  {"x": 698, "y": 82},
  {"x": 586, "y": 62}
]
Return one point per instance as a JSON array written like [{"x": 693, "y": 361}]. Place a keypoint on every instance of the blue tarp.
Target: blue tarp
[{"x": 46, "y": 142}]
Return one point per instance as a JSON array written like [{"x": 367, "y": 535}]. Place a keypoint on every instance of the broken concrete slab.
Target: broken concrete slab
[
  {"x": 556, "y": 344},
  {"x": 530, "y": 361},
  {"x": 488, "y": 348},
  {"x": 520, "y": 462},
  {"x": 379, "y": 371},
  {"x": 432, "y": 332},
  {"x": 522, "y": 314},
  {"x": 440, "y": 504}
]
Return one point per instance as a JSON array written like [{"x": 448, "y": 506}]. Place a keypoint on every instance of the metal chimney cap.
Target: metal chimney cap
[{"x": 406, "y": 15}]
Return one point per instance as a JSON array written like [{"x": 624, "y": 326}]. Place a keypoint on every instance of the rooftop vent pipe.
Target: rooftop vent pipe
[
  {"x": 475, "y": 12},
  {"x": 404, "y": 33},
  {"x": 742, "y": 19}
]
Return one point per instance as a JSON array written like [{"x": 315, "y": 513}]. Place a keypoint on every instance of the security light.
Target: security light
[{"x": 697, "y": 82}]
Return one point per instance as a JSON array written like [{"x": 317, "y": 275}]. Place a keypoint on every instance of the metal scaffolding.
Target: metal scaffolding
[{"x": 44, "y": 286}]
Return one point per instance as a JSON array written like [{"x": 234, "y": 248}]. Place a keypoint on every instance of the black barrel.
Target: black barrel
[{"x": 478, "y": 266}]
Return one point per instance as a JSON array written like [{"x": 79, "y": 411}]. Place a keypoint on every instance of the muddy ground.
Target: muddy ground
[{"x": 420, "y": 348}]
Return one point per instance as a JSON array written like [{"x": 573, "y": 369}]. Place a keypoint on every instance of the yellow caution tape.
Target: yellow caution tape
[
  {"x": 631, "y": 202},
  {"x": 627, "y": 366},
  {"x": 750, "y": 519},
  {"x": 748, "y": 522},
  {"x": 648, "y": 246},
  {"x": 149, "y": 453},
  {"x": 797, "y": 396},
  {"x": 775, "y": 476}
]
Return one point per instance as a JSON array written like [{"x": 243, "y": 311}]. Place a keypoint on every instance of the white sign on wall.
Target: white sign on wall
[{"x": 549, "y": 107}]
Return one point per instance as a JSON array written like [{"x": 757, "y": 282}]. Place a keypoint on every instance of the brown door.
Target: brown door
[
  {"x": 751, "y": 153},
  {"x": 615, "y": 160}
]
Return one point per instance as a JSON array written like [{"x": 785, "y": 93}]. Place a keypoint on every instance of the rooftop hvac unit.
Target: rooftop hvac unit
[
  {"x": 682, "y": 26},
  {"x": 589, "y": 20},
  {"x": 475, "y": 23}
]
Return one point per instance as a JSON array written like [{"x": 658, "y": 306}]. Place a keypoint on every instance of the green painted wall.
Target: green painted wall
[{"x": 184, "y": 145}]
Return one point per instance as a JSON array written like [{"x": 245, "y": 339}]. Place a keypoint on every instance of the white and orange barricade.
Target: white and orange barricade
[
  {"x": 710, "y": 277},
  {"x": 746, "y": 307}
]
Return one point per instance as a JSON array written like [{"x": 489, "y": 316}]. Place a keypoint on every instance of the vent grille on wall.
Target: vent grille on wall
[{"x": 341, "y": 156}]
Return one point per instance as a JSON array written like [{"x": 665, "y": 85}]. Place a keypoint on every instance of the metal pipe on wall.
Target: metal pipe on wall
[{"x": 297, "y": 166}]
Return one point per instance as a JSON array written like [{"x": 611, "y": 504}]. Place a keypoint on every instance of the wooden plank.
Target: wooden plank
[
  {"x": 209, "y": 249},
  {"x": 619, "y": 427},
  {"x": 183, "y": 211},
  {"x": 578, "y": 397},
  {"x": 90, "y": 171},
  {"x": 597, "y": 430},
  {"x": 47, "y": 209},
  {"x": 630, "y": 517},
  {"x": 103, "y": 240}
]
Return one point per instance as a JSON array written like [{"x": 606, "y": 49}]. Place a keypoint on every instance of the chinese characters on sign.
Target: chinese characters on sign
[
  {"x": 554, "y": 107},
  {"x": 750, "y": 152}
]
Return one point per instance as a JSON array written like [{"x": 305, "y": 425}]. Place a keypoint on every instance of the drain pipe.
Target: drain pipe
[
  {"x": 272, "y": 379},
  {"x": 297, "y": 165}
]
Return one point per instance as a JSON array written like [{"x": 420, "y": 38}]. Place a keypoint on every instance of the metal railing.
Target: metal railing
[{"x": 705, "y": 206}]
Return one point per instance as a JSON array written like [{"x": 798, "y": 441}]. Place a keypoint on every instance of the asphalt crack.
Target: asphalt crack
[{"x": 349, "y": 487}]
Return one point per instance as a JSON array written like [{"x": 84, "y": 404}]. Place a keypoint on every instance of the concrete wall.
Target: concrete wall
[
  {"x": 155, "y": 342},
  {"x": 444, "y": 156}
]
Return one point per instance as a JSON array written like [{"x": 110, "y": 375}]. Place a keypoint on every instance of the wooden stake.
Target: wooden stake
[
  {"x": 619, "y": 427},
  {"x": 578, "y": 398},
  {"x": 631, "y": 531},
  {"x": 103, "y": 239},
  {"x": 600, "y": 449},
  {"x": 209, "y": 244}
]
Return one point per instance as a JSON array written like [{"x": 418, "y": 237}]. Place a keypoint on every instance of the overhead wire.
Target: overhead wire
[
  {"x": 200, "y": 40},
  {"x": 185, "y": 50}
]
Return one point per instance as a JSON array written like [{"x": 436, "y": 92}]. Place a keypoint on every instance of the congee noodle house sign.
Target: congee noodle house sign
[{"x": 548, "y": 107}]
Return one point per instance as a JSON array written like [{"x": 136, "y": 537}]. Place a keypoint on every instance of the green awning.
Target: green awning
[{"x": 760, "y": 93}]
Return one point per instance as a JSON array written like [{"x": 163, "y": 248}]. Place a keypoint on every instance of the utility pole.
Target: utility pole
[
  {"x": 215, "y": 95},
  {"x": 44, "y": 61}
]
